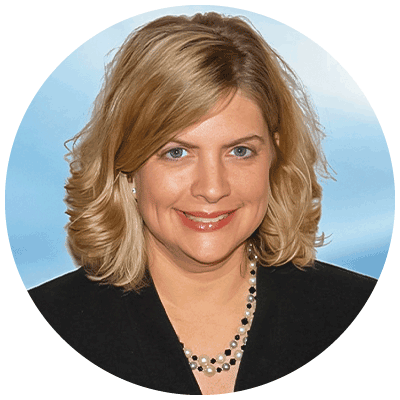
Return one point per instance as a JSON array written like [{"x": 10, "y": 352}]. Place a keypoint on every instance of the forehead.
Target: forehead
[{"x": 229, "y": 119}]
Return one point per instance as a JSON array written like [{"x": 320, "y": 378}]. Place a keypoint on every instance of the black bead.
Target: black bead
[
  {"x": 182, "y": 344},
  {"x": 248, "y": 305},
  {"x": 219, "y": 369},
  {"x": 237, "y": 337},
  {"x": 228, "y": 352},
  {"x": 243, "y": 347},
  {"x": 245, "y": 321},
  {"x": 194, "y": 358},
  {"x": 200, "y": 368},
  {"x": 232, "y": 361},
  {"x": 213, "y": 361},
  {"x": 253, "y": 271},
  {"x": 252, "y": 289}
]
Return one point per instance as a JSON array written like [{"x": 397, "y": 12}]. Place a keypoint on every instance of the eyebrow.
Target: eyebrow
[{"x": 233, "y": 143}]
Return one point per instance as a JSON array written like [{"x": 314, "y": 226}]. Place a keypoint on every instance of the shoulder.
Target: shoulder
[
  {"x": 72, "y": 287},
  {"x": 73, "y": 299},
  {"x": 300, "y": 313},
  {"x": 319, "y": 278},
  {"x": 96, "y": 320},
  {"x": 322, "y": 289}
]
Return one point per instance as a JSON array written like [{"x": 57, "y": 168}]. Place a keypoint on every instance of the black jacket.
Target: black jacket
[{"x": 299, "y": 314}]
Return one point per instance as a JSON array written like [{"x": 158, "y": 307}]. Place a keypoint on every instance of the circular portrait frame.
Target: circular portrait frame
[{"x": 26, "y": 189}]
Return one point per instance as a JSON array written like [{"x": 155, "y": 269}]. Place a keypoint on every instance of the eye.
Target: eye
[
  {"x": 176, "y": 153},
  {"x": 242, "y": 152}
]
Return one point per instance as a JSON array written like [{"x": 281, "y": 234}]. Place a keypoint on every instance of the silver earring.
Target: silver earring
[{"x": 134, "y": 190}]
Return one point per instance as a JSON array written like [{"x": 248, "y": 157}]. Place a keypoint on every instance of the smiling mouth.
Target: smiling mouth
[{"x": 206, "y": 220}]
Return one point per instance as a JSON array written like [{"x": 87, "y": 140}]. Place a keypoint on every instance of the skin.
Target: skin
[{"x": 219, "y": 164}]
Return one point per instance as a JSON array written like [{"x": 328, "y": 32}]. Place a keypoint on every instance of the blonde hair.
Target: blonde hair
[{"x": 166, "y": 76}]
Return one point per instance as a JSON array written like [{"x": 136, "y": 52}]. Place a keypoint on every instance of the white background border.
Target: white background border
[{"x": 362, "y": 36}]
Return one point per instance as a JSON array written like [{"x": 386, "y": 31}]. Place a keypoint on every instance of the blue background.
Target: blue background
[{"x": 358, "y": 209}]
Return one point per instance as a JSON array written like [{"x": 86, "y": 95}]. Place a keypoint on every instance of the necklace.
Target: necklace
[{"x": 234, "y": 353}]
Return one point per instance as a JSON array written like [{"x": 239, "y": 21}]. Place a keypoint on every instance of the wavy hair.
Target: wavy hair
[{"x": 165, "y": 77}]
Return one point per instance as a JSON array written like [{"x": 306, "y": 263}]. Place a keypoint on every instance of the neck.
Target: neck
[{"x": 187, "y": 285}]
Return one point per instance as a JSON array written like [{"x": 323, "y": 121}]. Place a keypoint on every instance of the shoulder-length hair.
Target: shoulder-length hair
[{"x": 165, "y": 77}]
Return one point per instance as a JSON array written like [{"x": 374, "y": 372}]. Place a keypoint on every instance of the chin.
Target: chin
[{"x": 210, "y": 256}]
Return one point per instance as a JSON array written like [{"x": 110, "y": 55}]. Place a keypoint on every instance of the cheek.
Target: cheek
[
  {"x": 254, "y": 184},
  {"x": 259, "y": 198},
  {"x": 156, "y": 189}
]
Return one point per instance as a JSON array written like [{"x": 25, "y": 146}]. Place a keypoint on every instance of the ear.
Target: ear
[
  {"x": 132, "y": 184},
  {"x": 276, "y": 138}
]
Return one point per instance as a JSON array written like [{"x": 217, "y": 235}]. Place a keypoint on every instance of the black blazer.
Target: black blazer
[{"x": 299, "y": 314}]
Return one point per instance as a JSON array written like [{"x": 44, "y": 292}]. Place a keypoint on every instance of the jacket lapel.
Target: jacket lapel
[{"x": 157, "y": 345}]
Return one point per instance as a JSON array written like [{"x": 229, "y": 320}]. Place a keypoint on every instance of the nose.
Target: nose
[{"x": 211, "y": 181}]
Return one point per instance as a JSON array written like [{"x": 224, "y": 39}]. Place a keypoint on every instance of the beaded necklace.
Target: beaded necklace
[{"x": 234, "y": 353}]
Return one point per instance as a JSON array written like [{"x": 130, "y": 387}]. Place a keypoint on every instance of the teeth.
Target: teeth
[{"x": 206, "y": 220}]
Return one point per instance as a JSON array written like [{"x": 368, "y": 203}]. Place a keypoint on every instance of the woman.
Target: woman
[{"x": 194, "y": 209}]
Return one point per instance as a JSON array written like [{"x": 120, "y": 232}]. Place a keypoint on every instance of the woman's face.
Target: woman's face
[{"x": 204, "y": 193}]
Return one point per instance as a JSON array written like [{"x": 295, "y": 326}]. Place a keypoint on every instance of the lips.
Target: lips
[
  {"x": 200, "y": 214},
  {"x": 206, "y": 222}
]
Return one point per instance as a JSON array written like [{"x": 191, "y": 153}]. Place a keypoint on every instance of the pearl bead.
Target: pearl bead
[
  {"x": 245, "y": 340},
  {"x": 255, "y": 257},
  {"x": 226, "y": 367},
  {"x": 233, "y": 344},
  {"x": 250, "y": 298},
  {"x": 203, "y": 360},
  {"x": 193, "y": 365},
  {"x": 242, "y": 330},
  {"x": 209, "y": 370},
  {"x": 252, "y": 265},
  {"x": 252, "y": 280},
  {"x": 247, "y": 313},
  {"x": 220, "y": 358},
  {"x": 238, "y": 354},
  {"x": 188, "y": 353}
]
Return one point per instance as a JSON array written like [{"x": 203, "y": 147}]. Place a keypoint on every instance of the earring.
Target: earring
[{"x": 134, "y": 190}]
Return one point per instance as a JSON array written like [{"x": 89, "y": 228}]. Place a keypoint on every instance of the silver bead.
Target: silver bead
[
  {"x": 220, "y": 358},
  {"x": 233, "y": 344},
  {"x": 242, "y": 330},
  {"x": 204, "y": 360},
  {"x": 250, "y": 298},
  {"x": 188, "y": 352},
  {"x": 226, "y": 367},
  {"x": 193, "y": 365},
  {"x": 209, "y": 371}
]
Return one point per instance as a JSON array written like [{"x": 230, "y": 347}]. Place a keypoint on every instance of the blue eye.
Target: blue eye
[
  {"x": 176, "y": 153},
  {"x": 242, "y": 152}
]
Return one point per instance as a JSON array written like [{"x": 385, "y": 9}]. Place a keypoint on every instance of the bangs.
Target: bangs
[{"x": 185, "y": 78}]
